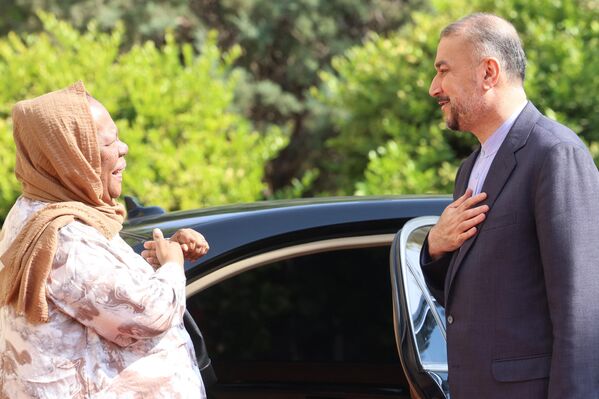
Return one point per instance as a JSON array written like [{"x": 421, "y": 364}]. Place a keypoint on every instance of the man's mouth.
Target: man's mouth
[{"x": 442, "y": 101}]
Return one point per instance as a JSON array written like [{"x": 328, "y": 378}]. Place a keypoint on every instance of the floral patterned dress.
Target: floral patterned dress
[{"x": 115, "y": 326}]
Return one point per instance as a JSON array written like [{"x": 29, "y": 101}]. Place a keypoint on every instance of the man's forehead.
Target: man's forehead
[{"x": 452, "y": 49}]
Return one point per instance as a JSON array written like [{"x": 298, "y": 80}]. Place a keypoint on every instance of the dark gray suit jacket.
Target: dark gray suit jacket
[{"x": 521, "y": 296}]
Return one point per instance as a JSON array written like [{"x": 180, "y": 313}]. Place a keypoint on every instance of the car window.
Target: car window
[{"x": 322, "y": 318}]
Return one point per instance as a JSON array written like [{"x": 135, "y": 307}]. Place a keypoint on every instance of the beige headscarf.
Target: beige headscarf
[{"x": 58, "y": 161}]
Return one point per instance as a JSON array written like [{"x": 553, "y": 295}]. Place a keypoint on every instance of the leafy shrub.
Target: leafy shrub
[
  {"x": 286, "y": 43},
  {"x": 187, "y": 148}
]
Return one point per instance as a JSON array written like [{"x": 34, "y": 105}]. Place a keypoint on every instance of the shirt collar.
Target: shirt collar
[{"x": 491, "y": 146}]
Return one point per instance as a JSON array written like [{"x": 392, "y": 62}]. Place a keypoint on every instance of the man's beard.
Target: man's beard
[
  {"x": 459, "y": 115},
  {"x": 453, "y": 121}
]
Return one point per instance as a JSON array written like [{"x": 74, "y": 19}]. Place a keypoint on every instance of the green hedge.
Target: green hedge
[{"x": 187, "y": 148}]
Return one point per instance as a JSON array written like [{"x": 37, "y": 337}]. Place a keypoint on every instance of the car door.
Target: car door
[
  {"x": 304, "y": 321},
  {"x": 419, "y": 320}
]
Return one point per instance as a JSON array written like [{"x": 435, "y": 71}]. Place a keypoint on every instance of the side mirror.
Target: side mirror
[
  {"x": 419, "y": 319},
  {"x": 136, "y": 210}
]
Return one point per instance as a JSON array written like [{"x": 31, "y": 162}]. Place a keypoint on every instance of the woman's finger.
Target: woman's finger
[{"x": 157, "y": 234}]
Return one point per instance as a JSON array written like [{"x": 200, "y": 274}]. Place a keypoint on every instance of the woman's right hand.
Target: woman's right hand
[{"x": 161, "y": 251}]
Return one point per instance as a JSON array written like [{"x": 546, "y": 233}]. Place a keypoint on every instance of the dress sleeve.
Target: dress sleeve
[{"x": 108, "y": 287}]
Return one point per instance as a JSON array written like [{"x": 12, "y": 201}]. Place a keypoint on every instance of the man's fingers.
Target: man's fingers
[
  {"x": 474, "y": 221},
  {"x": 150, "y": 245},
  {"x": 470, "y": 202},
  {"x": 463, "y": 198},
  {"x": 467, "y": 235},
  {"x": 467, "y": 225},
  {"x": 458, "y": 222},
  {"x": 470, "y": 213}
]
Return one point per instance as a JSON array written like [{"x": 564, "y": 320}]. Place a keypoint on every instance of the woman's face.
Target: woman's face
[{"x": 112, "y": 151}]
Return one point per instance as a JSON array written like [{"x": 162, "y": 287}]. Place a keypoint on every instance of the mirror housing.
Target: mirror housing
[{"x": 136, "y": 210}]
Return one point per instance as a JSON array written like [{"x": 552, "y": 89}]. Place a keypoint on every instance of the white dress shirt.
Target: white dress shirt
[{"x": 488, "y": 151}]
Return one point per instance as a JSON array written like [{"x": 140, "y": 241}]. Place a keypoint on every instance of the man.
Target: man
[{"x": 514, "y": 259}]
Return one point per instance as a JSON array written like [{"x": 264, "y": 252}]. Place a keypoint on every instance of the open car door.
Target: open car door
[{"x": 418, "y": 319}]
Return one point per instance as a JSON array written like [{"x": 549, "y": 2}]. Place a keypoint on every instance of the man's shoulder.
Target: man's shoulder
[
  {"x": 554, "y": 145},
  {"x": 548, "y": 133}
]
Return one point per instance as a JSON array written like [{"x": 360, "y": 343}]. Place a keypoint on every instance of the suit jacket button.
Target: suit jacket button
[{"x": 450, "y": 319}]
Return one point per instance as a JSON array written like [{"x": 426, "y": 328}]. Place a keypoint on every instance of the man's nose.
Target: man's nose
[{"x": 435, "y": 89}]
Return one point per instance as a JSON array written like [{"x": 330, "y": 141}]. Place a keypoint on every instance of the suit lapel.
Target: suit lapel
[{"x": 502, "y": 167}]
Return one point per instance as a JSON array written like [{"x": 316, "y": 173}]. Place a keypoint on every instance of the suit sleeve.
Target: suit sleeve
[
  {"x": 567, "y": 221},
  {"x": 435, "y": 272}
]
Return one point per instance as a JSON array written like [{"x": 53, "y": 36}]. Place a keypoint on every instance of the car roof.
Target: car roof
[{"x": 237, "y": 230}]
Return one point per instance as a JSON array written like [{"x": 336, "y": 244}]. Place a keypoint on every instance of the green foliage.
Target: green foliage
[
  {"x": 173, "y": 108},
  {"x": 561, "y": 40},
  {"x": 394, "y": 169},
  {"x": 8, "y": 183},
  {"x": 379, "y": 92},
  {"x": 143, "y": 20},
  {"x": 286, "y": 43}
]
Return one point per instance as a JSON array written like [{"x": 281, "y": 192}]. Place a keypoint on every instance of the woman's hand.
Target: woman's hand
[
  {"x": 193, "y": 244},
  {"x": 161, "y": 251}
]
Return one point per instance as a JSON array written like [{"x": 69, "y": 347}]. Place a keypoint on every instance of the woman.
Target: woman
[{"x": 81, "y": 314}]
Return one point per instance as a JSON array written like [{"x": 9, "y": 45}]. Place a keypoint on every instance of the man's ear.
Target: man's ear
[{"x": 491, "y": 71}]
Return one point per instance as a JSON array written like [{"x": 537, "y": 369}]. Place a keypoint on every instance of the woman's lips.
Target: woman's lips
[{"x": 118, "y": 173}]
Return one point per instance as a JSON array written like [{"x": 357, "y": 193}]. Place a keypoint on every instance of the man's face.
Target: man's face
[
  {"x": 455, "y": 84},
  {"x": 112, "y": 151}
]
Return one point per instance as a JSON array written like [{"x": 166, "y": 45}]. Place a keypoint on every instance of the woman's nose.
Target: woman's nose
[{"x": 123, "y": 148}]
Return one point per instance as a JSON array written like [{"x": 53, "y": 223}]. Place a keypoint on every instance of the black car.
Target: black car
[{"x": 297, "y": 299}]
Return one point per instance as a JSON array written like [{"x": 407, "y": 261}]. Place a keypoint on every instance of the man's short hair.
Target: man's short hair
[{"x": 492, "y": 36}]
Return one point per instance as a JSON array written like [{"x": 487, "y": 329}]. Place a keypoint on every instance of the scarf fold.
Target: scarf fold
[{"x": 58, "y": 161}]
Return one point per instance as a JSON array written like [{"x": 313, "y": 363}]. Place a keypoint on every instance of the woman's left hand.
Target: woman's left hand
[{"x": 193, "y": 244}]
